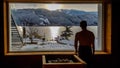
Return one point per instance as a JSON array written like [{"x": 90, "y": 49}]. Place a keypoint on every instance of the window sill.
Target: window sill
[{"x": 102, "y": 53}]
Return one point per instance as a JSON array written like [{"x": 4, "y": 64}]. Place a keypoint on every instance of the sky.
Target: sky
[{"x": 81, "y": 6}]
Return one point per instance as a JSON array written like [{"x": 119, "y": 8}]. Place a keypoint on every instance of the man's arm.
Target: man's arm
[
  {"x": 93, "y": 48},
  {"x": 93, "y": 45},
  {"x": 76, "y": 42}
]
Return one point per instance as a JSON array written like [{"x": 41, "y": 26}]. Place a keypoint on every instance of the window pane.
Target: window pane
[{"x": 51, "y": 27}]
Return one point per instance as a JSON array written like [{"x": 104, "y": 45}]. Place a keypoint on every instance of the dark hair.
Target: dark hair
[{"x": 83, "y": 24}]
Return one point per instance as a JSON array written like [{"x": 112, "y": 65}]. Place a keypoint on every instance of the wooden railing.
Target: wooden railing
[{"x": 17, "y": 29}]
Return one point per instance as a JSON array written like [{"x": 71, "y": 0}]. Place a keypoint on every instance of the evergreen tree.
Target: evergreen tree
[{"x": 67, "y": 33}]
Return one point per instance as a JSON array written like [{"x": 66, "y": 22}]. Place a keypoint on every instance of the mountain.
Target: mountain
[{"x": 61, "y": 17}]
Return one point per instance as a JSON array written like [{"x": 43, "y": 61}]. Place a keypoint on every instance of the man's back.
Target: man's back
[{"x": 85, "y": 37}]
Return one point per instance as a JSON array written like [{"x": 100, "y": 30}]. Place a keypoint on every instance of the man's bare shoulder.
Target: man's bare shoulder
[
  {"x": 78, "y": 32},
  {"x": 90, "y": 31}
]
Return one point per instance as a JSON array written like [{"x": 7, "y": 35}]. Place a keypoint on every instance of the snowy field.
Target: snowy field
[
  {"x": 49, "y": 46},
  {"x": 45, "y": 46}
]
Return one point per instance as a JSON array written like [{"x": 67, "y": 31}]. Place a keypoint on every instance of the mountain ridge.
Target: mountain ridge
[{"x": 61, "y": 17}]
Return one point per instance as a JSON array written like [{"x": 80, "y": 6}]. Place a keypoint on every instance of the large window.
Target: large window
[{"x": 50, "y": 27}]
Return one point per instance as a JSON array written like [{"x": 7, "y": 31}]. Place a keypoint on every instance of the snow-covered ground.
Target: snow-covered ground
[
  {"x": 49, "y": 46},
  {"x": 45, "y": 46}
]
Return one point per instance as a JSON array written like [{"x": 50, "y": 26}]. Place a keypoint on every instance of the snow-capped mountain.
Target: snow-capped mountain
[{"x": 61, "y": 17}]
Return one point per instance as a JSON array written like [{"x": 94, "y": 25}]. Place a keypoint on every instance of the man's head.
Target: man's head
[{"x": 83, "y": 24}]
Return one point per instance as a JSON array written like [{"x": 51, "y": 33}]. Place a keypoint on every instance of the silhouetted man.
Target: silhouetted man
[{"x": 85, "y": 38}]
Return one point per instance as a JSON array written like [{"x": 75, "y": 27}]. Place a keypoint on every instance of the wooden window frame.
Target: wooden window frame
[{"x": 106, "y": 21}]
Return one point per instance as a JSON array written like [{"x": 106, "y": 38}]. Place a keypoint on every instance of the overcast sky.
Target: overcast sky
[{"x": 84, "y": 7}]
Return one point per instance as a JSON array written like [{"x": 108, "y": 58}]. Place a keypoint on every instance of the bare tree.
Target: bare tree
[{"x": 32, "y": 33}]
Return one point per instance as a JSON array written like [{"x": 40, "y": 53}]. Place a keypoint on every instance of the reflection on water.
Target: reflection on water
[
  {"x": 54, "y": 32},
  {"x": 50, "y": 38}
]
